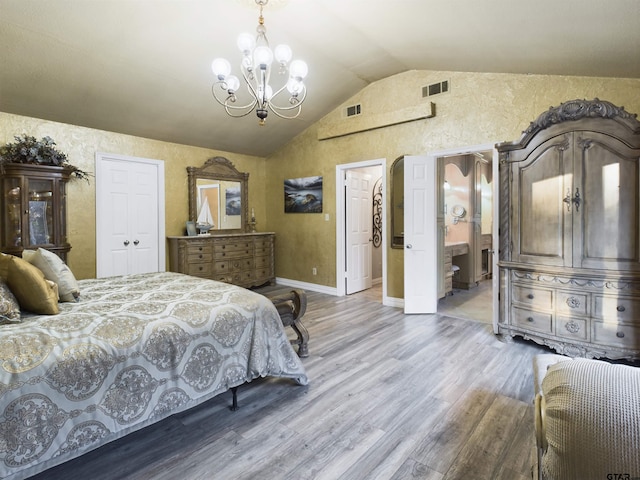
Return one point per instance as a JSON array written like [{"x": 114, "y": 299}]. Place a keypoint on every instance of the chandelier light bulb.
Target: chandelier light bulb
[
  {"x": 283, "y": 54},
  {"x": 221, "y": 68},
  {"x": 298, "y": 69},
  {"x": 233, "y": 83},
  {"x": 294, "y": 87},
  {"x": 262, "y": 55},
  {"x": 246, "y": 43}
]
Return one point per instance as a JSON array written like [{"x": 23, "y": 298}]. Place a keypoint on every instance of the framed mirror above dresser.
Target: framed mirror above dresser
[
  {"x": 225, "y": 249},
  {"x": 224, "y": 191}
]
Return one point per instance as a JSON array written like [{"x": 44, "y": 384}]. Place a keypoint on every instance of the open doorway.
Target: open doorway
[
  {"x": 469, "y": 230},
  {"x": 360, "y": 229}
]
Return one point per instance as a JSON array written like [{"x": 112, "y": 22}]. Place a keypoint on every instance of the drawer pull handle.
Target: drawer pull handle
[
  {"x": 620, "y": 308},
  {"x": 199, "y": 256},
  {"x": 529, "y": 319},
  {"x": 530, "y": 296},
  {"x": 620, "y": 334}
]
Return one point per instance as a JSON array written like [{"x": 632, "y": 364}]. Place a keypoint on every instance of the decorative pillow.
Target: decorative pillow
[
  {"x": 9, "y": 308},
  {"x": 4, "y": 266},
  {"x": 30, "y": 288},
  {"x": 56, "y": 270},
  {"x": 591, "y": 420}
]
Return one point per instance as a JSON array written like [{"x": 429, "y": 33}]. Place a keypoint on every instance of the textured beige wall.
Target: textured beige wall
[
  {"x": 81, "y": 145},
  {"x": 479, "y": 109}
]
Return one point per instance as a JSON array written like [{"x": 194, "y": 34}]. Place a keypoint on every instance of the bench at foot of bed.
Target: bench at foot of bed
[{"x": 291, "y": 307}]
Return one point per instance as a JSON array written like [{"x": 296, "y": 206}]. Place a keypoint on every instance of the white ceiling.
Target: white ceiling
[{"x": 142, "y": 67}]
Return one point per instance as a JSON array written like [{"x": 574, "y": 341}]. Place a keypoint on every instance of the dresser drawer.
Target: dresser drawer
[
  {"x": 237, "y": 246},
  {"x": 261, "y": 262},
  {"x": 198, "y": 269},
  {"x": 243, "y": 278},
  {"x": 240, "y": 264},
  {"x": 620, "y": 308},
  {"x": 539, "y": 321},
  {"x": 614, "y": 334},
  {"x": 194, "y": 248},
  {"x": 263, "y": 274},
  {"x": 573, "y": 328},
  {"x": 533, "y": 297},
  {"x": 235, "y": 253},
  {"x": 572, "y": 303},
  {"x": 199, "y": 257}
]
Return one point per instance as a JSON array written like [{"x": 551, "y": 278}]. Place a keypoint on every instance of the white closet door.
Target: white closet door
[
  {"x": 128, "y": 219},
  {"x": 359, "y": 235}
]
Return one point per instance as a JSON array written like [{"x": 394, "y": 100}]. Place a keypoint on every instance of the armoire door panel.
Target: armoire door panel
[
  {"x": 544, "y": 222},
  {"x": 608, "y": 217}
]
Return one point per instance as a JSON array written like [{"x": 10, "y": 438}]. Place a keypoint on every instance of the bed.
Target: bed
[{"x": 131, "y": 351}]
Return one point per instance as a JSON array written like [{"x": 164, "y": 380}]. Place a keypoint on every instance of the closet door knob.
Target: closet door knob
[
  {"x": 620, "y": 308},
  {"x": 409, "y": 246},
  {"x": 136, "y": 242},
  {"x": 126, "y": 243}
]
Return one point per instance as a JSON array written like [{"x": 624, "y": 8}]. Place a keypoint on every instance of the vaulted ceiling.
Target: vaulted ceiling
[{"x": 142, "y": 67}]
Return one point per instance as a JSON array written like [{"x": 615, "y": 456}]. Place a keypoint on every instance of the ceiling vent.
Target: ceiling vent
[
  {"x": 354, "y": 110},
  {"x": 435, "y": 88}
]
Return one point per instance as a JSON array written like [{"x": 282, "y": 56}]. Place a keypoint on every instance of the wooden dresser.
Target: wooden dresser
[{"x": 244, "y": 259}]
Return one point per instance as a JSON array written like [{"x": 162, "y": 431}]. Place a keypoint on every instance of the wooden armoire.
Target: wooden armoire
[{"x": 570, "y": 231}]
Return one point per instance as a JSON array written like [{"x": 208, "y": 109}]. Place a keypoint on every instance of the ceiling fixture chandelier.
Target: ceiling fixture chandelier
[{"x": 256, "y": 68}]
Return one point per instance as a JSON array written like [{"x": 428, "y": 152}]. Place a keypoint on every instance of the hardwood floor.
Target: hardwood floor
[{"x": 391, "y": 396}]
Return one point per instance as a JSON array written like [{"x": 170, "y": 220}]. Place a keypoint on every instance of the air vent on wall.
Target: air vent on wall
[
  {"x": 353, "y": 110},
  {"x": 435, "y": 88}
]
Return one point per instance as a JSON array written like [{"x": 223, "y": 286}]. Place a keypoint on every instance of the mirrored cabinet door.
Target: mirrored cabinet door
[{"x": 33, "y": 207}]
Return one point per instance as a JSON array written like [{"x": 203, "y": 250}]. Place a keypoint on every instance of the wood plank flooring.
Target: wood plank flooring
[{"x": 391, "y": 396}]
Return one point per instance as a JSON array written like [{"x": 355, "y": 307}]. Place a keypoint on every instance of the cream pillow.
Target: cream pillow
[
  {"x": 591, "y": 420},
  {"x": 56, "y": 270},
  {"x": 9, "y": 308},
  {"x": 30, "y": 288}
]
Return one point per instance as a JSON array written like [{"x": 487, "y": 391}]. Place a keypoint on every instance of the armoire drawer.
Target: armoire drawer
[
  {"x": 619, "y": 308},
  {"x": 572, "y": 303},
  {"x": 572, "y": 328},
  {"x": 533, "y": 297},
  {"x": 611, "y": 333},
  {"x": 531, "y": 320}
]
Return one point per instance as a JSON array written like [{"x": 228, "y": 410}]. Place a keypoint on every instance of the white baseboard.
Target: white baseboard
[
  {"x": 393, "y": 302},
  {"x": 313, "y": 287},
  {"x": 307, "y": 286}
]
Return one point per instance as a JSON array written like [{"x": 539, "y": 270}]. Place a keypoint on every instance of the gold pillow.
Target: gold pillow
[
  {"x": 30, "y": 288},
  {"x": 4, "y": 266}
]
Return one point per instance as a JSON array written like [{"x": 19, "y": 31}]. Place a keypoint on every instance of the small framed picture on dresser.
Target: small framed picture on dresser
[{"x": 191, "y": 229}]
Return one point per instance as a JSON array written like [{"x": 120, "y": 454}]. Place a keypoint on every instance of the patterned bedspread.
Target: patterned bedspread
[{"x": 132, "y": 351}]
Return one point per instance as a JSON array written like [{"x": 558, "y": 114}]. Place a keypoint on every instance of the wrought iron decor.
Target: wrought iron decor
[{"x": 377, "y": 213}]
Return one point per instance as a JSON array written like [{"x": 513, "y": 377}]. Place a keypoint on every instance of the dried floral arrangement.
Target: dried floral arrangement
[{"x": 28, "y": 149}]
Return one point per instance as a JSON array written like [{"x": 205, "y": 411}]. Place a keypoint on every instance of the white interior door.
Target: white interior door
[
  {"x": 420, "y": 235},
  {"x": 358, "y": 231},
  {"x": 129, "y": 206}
]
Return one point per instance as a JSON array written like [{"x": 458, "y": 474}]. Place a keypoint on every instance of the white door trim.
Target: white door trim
[
  {"x": 340, "y": 224},
  {"x": 496, "y": 219},
  {"x": 102, "y": 156}
]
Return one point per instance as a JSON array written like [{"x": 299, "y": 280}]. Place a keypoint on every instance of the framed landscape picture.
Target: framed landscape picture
[{"x": 303, "y": 195}]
